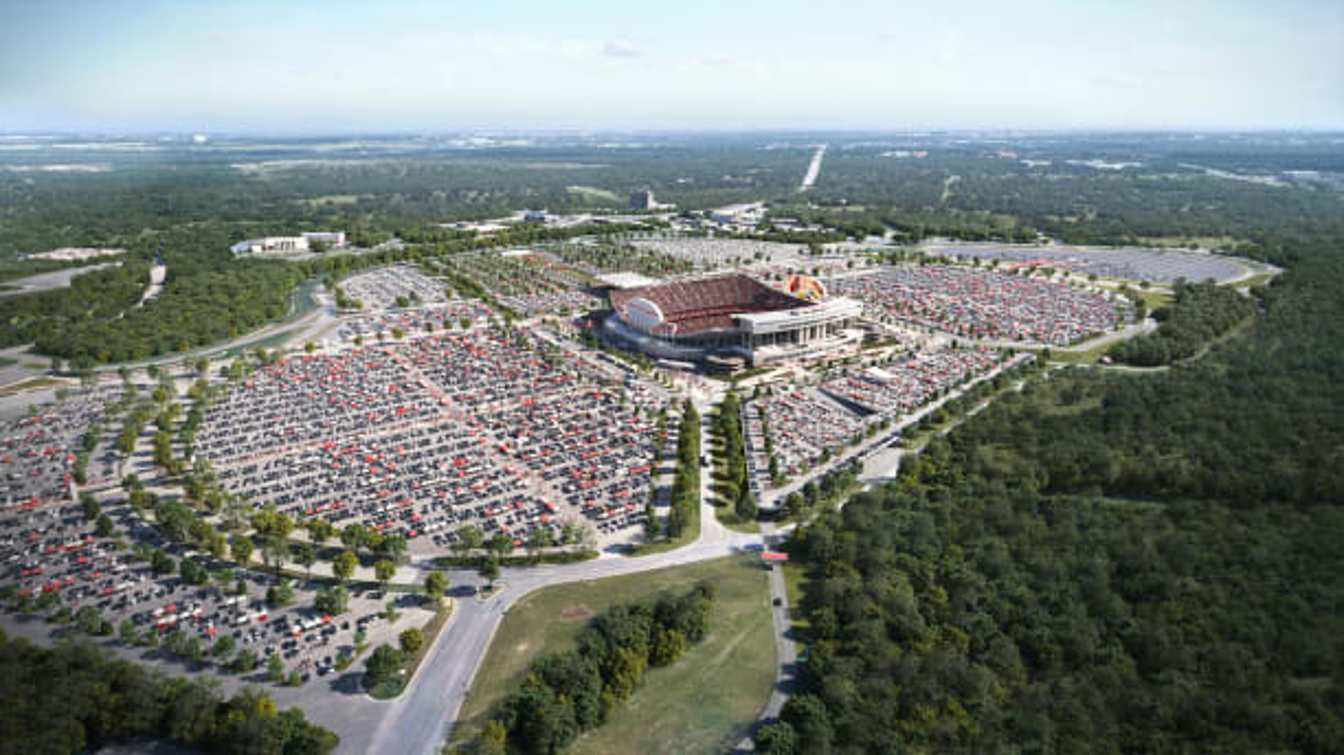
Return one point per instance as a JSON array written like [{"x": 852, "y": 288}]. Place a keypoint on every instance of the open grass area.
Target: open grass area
[
  {"x": 1259, "y": 279},
  {"x": 702, "y": 703},
  {"x": 32, "y": 384},
  {"x": 1183, "y": 242},
  {"x": 1154, "y": 299},
  {"x": 593, "y": 193},
  {"x": 1088, "y": 356}
]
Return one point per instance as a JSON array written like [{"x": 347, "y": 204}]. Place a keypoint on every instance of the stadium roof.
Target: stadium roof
[{"x": 698, "y": 305}]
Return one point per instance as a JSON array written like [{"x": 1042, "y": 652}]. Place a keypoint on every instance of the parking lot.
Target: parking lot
[
  {"x": 501, "y": 430},
  {"x": 801, "y": 424},
  {"x": 1130, "y": 263},
  {"x": 397, "y": 286},
  {"x": 38, "y": 450},
  {"x": 767, "y": 259},
  {"x": 984, "y": 304},
  {"x": 53, "y": 560}
]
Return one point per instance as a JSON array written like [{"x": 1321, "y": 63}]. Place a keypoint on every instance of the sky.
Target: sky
[{"x": 393, "y": 65}]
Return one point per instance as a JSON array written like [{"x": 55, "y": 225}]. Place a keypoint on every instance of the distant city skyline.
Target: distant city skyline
[{"x": 336, "y": 67}]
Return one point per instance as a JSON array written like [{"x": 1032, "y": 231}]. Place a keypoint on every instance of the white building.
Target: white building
[{"x": 282, "y": 245}]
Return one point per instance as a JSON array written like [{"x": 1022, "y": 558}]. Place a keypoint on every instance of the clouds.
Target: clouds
[{"x": 620, "y": 49}]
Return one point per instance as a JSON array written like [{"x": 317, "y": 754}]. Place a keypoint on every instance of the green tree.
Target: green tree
[
  {"x": 223, "y": 646},
  {"x": 332, "y": 601},
  {"x": 89, "y": 506},
  {"x": 88, "y": 620},
  {"x": 383, "y": 571},
  {"x": 668, "y": 646},
  {"x": 305, "y": 556},
  {"x": 411, "y": 640},
  {"x": 468, "y": 539},
  {"x": 494, "y": 739},
  {"x": 384, "y": 664},
  {"x": 489, "y": 571},
  {"x": 275, "y": 668},
  {"x": 241, "y": 549},
  {"x": 436, "y": 584},
  {"x": 343, "y": 566},
  {"x": 777, "y": 738}
]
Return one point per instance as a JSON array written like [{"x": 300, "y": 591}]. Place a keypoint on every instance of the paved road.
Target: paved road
[
  {"x": 786, "y": 651},
  {"x": 813, "y": 169}
]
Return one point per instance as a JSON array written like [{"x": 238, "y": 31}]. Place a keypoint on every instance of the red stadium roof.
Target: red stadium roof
[{"x": 705, "y": 304}]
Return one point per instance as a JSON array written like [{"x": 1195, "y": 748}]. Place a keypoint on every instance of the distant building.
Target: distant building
[
  {"x": 643, "y": 200},
  {"x": 281, "y": 245},
  {"x": 330, "y": 238},
  {"x": 534, "y": 216}
]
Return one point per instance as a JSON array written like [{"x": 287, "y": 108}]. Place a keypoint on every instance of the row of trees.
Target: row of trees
[
  {"x": 735, "y": 487},
  {"x": 569, "y": 693},
  {"x": 686, "y": 483}
]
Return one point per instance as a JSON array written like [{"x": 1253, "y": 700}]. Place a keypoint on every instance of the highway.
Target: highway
[{"x": 813, "y": 169}]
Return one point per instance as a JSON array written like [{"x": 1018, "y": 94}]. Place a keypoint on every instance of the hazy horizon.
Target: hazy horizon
[{"x": 412, "y": 67}]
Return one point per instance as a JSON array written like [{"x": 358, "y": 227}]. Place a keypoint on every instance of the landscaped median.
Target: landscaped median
[
  {"x": 389, "y": 670},
  {"x": 703, "y": 702}
]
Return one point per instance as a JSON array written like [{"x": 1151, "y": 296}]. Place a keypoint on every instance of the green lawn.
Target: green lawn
[
  {"x": 795, "y": 578},
  {"x": 703, "y": 703}
]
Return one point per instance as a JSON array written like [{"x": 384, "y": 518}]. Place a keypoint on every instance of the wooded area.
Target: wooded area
[
  {"x": 75, "y": 698},
  {"x": 1106, "y": 562},
  {"x": 1201, "y": 313}
]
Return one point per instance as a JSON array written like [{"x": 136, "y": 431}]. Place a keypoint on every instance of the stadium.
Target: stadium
[{"x": 733, "y": 317}]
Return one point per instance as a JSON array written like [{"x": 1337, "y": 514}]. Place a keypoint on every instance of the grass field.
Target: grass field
[
  {"x": 703, "y": 703},
  {"x": 1153, "y": 298},
  {"x": 32, "y": 384},
  {"x": 795, "y": 579}
]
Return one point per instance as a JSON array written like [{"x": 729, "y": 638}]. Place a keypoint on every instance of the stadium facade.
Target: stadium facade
[{"x": 733, "y": 316}]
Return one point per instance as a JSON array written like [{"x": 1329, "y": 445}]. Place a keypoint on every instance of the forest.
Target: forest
[
  {"x": 1200, "y": 313},
  {"x": 76, "y": 698},
  {"x": 1105, "y": 562}
]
